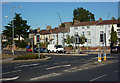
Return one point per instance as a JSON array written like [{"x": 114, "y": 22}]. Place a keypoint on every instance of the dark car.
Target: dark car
[
  {"x": 115, "y": 49},
  {"x": 42, "y": 50}
]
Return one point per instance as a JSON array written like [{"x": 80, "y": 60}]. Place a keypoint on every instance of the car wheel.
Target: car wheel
[{"x": 57, "y": 51}]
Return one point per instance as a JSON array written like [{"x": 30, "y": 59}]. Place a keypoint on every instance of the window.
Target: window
[
  {"x": 109, "y": 26},
  {"x": 76, "y": 33},
  {"x": 88, "y": 33},
  {"x": 101, "y": 32},
  {"x": 83, "y": 32},
  {"x": 109, "y": 33},
  {"x": 88, "y": 27},
  {"x": 76, "y": 27},
  {"x": 89, "y": 41},
  {"x": 82, "y": 27}
]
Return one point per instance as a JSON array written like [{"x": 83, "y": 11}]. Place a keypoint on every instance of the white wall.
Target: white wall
[{"x": 95, "y": 33}]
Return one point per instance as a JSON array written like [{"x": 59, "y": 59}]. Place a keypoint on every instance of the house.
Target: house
[
  {"x": 53, "y": 36},
  {"x": 92, "y": 30}
]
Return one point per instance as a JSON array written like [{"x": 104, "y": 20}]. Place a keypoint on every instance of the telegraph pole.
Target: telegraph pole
[
  {"x": 63, "y": 31},
  {"x": 105, "y": 33}
]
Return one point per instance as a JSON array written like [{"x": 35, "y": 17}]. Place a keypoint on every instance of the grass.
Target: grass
[
  {"x": 5, "y": 56},
  {"x": 29, "y": 56}
]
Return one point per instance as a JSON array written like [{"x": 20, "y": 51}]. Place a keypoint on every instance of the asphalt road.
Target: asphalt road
[{"x": 62, "y": 68}]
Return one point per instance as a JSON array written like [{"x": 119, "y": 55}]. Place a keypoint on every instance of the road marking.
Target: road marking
[
  {"x": 99, "y": 77},
  {"x": 38, "y": 67},
  {"x": 10, "y": 72},
  {"x": 6, "y": 79},
  {"x": 57, "y": 67},
  {"x": 116, "y": 71},
  {"x": 46, "y": 76},
  {"x": 26, "y": 65}
]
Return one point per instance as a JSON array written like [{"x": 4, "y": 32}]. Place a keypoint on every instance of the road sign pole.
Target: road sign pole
[
  {"x": 105, "y": 58},
  {"x": 99, "y": 57},
  {"x": 39, "y": 50}
]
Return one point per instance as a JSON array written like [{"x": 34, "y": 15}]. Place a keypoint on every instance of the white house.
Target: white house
[{"x": 92, "y": 30}]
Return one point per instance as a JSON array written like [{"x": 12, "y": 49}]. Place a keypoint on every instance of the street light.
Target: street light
[{"x": 13, "y": 26}]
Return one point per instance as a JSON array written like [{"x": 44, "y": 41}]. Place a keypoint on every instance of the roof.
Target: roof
[
  {"x": 103, "y": 22},
  {"x": 55, "y": 30}
]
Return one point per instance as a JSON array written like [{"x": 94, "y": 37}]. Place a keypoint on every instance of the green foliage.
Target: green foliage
[
  {"x": 42, "y": 56},
  {"x": 82, "y": 15},
  {"x": 114, "y": 37},
  {"x": 22, "y": 44},
  {"x": 68, "y": 40},
  {"x": 62, "y": 25},
  {"x": 113, "y": 18},
  {"x": 70, "y": 46},
  {"x": 118, "y": 18},
  {"x": 20, "y": 27},
  {"x": 82, "y": 39},
  {"x": 29, "y": 56}
]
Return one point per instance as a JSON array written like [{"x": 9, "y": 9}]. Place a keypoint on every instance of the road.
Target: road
[{"x": 63, "y": 68}]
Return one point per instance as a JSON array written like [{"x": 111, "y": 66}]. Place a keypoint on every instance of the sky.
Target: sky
[{"x": 40, "y": 14}]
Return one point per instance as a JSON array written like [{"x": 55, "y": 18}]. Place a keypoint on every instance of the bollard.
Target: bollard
[
  {"x": 99, "y": 57},
  {"x": 105, "y": 57}
]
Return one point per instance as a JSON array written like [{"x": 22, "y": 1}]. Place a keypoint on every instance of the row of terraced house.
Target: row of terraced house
[{"x": 91, "y": 30}]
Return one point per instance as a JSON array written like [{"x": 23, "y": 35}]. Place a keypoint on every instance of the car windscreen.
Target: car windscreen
[{"x": 59, "y": 46}]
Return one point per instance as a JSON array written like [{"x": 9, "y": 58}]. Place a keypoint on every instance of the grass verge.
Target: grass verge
[{"x": 29, "y": 56}]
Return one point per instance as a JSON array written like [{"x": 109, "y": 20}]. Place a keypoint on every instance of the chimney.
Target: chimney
[
  {"x": 100, "y": 19},
  {"x": 48, "y": 27},
  {"x": 76, "y": 22},
  {"x": 38, "y": 30}
]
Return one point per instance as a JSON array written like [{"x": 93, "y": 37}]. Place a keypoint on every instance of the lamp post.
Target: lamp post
[
  {"x": 13, "y": 27},
  {"x": 105, "y": 33}
]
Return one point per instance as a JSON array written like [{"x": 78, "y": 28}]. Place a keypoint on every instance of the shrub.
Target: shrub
[
  {"x": 29, "y": 56},
  {"x": 70, "y": 46},
  {"x": 42, "y": 56},
  {"x": 22, "y": 44}
]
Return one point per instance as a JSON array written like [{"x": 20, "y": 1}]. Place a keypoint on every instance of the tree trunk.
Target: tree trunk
[{"x": 19, "y": 38}]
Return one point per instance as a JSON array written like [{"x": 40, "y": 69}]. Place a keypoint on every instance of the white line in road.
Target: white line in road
[
  {"x": 6, "y": 79},
  {"x": 116, "y": 71},
  {"x": 27, "y": 65},
  {"x": 99, "y": 77},
  {"x": 46, "y": 76},
  {"x": 53, "y": 67},
  {"x": 58, "y": 66},
  {"x": 38, "y": 67},
  {"x": 10, "y": 72}
]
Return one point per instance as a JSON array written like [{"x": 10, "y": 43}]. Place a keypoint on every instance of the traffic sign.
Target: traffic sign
[{"x": 99, "y": 57}]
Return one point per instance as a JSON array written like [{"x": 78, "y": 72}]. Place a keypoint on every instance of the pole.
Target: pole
[
  {"x": 13, "y": 30},
  {"x": 32, "y": 44},
  {"x": 74, "y": 40},
  {"x": 105, "y": 33},
  {"x": 39, "y": 50},
  {"x": 87, "y": 46},
  {"x": 63, "y": 42}
]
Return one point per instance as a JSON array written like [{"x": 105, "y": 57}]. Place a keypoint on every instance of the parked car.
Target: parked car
[
  {"x": 115, "y": 49},
  {"x": 28, "y": 50},
  {"x": 42, "y": 50},
  {"x": 55, "y": 48}
]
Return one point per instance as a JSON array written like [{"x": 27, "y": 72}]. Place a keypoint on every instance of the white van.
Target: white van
[{"x": 55, "y": 48}]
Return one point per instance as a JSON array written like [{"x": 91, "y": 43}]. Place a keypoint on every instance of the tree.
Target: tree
[
  {"x": 113, "y": 18},
  {"x": 118, "y": 18},
  {"x": 68, "y": 40},
  {"x": 82, "y": 15},
  {"x": 82, "y": 39},
  {"x": 20, "y": 28},
  {"x": 114, "y": 37}
]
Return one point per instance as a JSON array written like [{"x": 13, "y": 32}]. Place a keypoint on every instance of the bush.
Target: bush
[
  {"x": 22, "y": 44},
  {"x": 70, "y": 46},
  {"x": 29, "y": 56}
]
